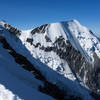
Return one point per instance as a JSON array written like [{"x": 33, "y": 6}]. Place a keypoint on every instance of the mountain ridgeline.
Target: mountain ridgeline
[{"x": 66, "y": 49}]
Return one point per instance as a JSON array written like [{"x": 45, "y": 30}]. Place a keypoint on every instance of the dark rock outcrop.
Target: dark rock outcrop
[
  {"x": 30, "y": 40},
  {"x": 94, "y": 75},
  {"x": 40, "y": 29},
  {"x": 47, "y": 39},
  {"x": 12, "y": 30}
]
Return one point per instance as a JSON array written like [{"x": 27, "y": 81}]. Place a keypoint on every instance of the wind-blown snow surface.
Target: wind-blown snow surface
[{"x": 73, "y": 31}]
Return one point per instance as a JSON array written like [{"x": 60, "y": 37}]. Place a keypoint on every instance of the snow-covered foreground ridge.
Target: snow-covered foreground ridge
[{"x": 66, "y": 54}]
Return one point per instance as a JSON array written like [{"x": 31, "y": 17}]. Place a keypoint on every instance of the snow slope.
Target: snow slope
[{"x": 16, "y": 82}]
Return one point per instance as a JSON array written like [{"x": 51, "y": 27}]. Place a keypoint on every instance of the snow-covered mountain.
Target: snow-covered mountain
[{"x": 54, "y": 61}]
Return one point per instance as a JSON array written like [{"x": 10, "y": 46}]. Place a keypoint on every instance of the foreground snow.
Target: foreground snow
[{"x": 15, "y": 82}]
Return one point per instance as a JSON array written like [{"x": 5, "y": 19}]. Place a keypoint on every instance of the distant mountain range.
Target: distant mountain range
[{"x": 57, "y": 61}]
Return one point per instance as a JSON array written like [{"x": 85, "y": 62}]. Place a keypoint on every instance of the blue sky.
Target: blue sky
[{"x": 26, "y": 14}]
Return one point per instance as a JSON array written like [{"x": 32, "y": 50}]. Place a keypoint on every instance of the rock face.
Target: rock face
[
  {"x": 12, "y": 30},
  {"x": 94, "y": 75},
  {"x": 40, "y": 29}
]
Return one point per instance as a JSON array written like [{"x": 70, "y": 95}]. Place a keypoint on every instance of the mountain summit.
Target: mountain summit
[{"x": 53, "y": 61}]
